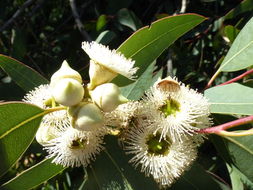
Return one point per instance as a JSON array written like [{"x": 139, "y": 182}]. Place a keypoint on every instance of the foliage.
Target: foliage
[{"x": 46, "y": 33}]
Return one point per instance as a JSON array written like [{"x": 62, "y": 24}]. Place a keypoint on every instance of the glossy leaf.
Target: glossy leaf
[
  {"x": 241, "y": 151},
  {"x": 33, "y": 176},
  {"x": 145, "y": 45},
  {"x": 18, "y": 125},
  {"x": 231, "y": 99},
  {"x": 239, "y": 55},
  {"x": 23, "y": 75},
  {"x": 135, "y": 90}
]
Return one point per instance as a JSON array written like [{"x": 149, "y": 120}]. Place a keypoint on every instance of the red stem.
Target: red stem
[
  {"x": 228, "y": 125},
  {"x": 237, "y": 78}
]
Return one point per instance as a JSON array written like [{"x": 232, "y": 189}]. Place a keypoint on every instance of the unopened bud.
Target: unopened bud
[
  {"x": 45, "y": 133},
  {"x": 85, "y": 116},
  {"x": 107, "y": 96},
  {"x": 99, "y": 75},
  {"x": 68, "y": 92},
  {"x": 65, "y": 72}
]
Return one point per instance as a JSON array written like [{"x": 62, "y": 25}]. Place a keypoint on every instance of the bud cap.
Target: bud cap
[
  {"x": 107, "y": 96},
  {"x": 85, "y": 116},
  {"x": 68, "y": 92},
  {"x": 65, "y": 72}
]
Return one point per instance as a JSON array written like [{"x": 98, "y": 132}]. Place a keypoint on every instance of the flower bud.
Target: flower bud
[
  {"x": 68, "y": 92},
  {"x": 85, "y": 116},
  {"x": 99, "y": 75},
  {"x": 108, "y": 97},
  {"x": 45, "y": 133},
  {"x": 65, "y": 72}
]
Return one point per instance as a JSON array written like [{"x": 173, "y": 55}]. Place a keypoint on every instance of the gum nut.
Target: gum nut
[
  {"x": 87, "y": 117},
  {"x": 99, "y": 75},
  {"x": 65, "y": 72},
  {"x": 68, "y": 92},
  {"x": 108, "y": 97}
]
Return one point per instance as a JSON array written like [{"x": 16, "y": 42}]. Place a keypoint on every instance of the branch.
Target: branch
[
  {"x": 78, "y": 21},
  {"x": 237, "y": 78},
  {"x": 220, "y": 129},
  {"x": 16, "y": 14},
  {"x": 209, "y": 84}
]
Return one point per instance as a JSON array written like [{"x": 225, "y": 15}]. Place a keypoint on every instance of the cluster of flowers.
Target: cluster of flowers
[{"x": 159, "y": 130}]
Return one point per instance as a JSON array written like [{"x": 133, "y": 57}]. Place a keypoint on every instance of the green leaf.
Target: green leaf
[
  {"x": 105, "y": 37},
  {"x": 195, "y": 179},
  {"x": 10, "y": 91},
  {"x": 135, "y": 90},
  {"x": 34, "y": 176},
  {"x": 223, "y": 146},
  {"x": 241, "y": 151},
  {"x": 19, "y": 43},
  {"x": 111, "y": 171},
  {"x": 145, "y": 45},
  {"x": 235, "y": 176},
  {"x": 23, "y": 75},
  {"x": 244, "y": 6},
  {"x": 18, "y": 125},
  {"x": 129, "y": 19},
  {"x": 231, "y": 32},
  {"x": 231, "y": 99},
  {"x": 101, "y": 22},
  {"x": 239, "y": 55}
]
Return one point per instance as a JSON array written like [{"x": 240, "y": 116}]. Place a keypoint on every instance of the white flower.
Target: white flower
[
  {"x": 75, "y": 148},
  {"x": 41, "y": 97},
  {"x": 122, "y": 115},
  {"x": 163, "y": 158},
  {"x": 106, "y": 64},
  {"x": 175, "y": 107}
]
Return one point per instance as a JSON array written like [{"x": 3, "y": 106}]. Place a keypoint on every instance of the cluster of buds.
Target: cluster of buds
[
  {"x": 85, "y": 110},
  {"x": 160, "y": 129}
]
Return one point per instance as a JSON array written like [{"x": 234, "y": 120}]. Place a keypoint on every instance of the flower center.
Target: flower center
[
  {"x": 50, "y": 103},
  {"x": 78, "y": 143},
  {"x": 170, "y": 107},
  {"x": 157, "y": 146}
]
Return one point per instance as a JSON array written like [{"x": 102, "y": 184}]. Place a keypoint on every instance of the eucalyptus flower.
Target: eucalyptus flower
[
  {"x": 41, "y": 96},
  {"x": 162, "y": 157},
  {"x": 75, "y": 148},
  {"x": 106, "y": 64},
  {"x": 122, "y": 116},
  {"x": 175, "y": 108}
]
